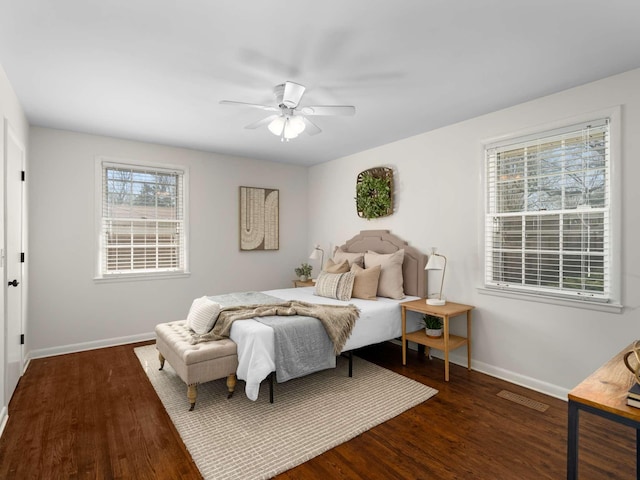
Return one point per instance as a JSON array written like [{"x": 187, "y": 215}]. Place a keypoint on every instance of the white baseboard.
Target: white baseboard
[
  {"x": 501, "y": 373},
  {"x": 79, "y": 347},
  {"x": 4, "y": 417}
]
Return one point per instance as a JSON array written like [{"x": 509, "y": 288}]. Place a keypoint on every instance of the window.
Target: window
[
  {"x": 547, "y": 222},
  {"x": 142, "y": 221}
]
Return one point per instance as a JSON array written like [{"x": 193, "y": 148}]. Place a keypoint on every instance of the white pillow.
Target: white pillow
[
  {"x": 390, "y": 283},
  {"x": 203, "y": 315}
]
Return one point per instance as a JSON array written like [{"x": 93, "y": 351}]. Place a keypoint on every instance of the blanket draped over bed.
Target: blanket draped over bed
[{"x": 338, "y": 320}]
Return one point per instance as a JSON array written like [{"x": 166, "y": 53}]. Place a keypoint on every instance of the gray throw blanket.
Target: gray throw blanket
[{"x": 338, "y": 320}]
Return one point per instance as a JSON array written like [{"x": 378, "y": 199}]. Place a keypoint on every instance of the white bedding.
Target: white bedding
[{"x": 379, "y": 321}]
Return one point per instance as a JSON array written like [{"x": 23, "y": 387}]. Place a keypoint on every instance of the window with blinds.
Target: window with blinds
[
  {"x": 547, "y": 226},
  {"x": 142, "y": 224}
]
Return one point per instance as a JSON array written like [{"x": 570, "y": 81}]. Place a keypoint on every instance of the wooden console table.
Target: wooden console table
[{"x": 603, "y": 393}]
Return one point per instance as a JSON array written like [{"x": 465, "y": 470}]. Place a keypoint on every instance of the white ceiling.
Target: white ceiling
[{"x": 155, "y": 70}]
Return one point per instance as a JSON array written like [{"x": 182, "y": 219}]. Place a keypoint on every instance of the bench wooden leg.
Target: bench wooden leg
[
  {"x": 231, "y": 384},
  {"x": 192, "y": 393},
  {"x": 161, "y": 358}
]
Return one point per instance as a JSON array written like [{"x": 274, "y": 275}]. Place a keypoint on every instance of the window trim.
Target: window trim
[
  {"x": 102, "y": 161},
  {"x": 614, "y": 303}
]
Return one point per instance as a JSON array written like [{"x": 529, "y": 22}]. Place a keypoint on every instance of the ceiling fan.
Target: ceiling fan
[{"x": 289, "y": 118}]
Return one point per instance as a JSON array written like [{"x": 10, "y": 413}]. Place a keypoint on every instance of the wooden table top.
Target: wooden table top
[
  {"x": 449, "y": 308},
  {"x": 606, "y": 388}
]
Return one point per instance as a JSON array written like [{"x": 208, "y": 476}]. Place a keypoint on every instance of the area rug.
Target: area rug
[{"x": 240, "y": 439}]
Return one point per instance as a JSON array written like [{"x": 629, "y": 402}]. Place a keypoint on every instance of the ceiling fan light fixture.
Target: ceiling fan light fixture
[
  {"x": 287, "y": 127},
  {"x": 290, "y": 119}
]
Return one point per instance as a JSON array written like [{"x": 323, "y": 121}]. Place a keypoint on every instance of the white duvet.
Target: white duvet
[{"x": 379, "y": 320}]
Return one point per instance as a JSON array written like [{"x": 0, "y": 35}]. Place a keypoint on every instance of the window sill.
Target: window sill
[
  {"x": 136, "y": 277},
  {"x": 600, "y": 307}
]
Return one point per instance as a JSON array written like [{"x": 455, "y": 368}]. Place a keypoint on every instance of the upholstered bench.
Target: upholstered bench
[{"x": 197, "y": 363}]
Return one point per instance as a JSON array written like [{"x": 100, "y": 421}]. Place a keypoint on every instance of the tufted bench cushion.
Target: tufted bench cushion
[{"x": 197, "y": 363}]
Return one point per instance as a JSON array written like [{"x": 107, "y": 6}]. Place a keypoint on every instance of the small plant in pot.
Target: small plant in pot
[
  {"x": 303, "y": 271},
  {"x": 432, "y": 325}
]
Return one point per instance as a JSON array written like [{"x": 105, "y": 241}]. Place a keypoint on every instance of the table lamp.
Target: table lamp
[
  {"x": 437, "y": 262},
  {"x": 316, "y": 254}
]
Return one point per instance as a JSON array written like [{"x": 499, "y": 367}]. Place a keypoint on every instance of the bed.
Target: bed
[{"x": 379, "y": 320}]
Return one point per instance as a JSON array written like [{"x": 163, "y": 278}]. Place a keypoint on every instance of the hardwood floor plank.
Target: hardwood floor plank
[{"x": 95, "y": 415}]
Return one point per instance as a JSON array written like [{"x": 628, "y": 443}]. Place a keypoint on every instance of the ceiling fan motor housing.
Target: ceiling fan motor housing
[{"x": 278, "y": 91}]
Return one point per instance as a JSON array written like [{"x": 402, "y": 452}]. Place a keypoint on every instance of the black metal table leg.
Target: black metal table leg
[{"x": 572, "y": 442}]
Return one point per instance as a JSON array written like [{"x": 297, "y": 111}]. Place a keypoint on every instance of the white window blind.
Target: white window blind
[
  {"x": 547, "y": 223},
  {"x": 142, "y": 224}
]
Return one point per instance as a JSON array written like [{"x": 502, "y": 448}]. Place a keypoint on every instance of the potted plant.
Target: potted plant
[
  {"x": 303, "y": 271},
  {"x": 432, "y": 325},
  {"x": 374, "y": 197}
]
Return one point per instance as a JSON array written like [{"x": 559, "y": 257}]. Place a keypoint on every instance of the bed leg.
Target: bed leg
[
  {"x": 350, "y": 364},
  {"x": 161, "y": 358},
  {"x": 271, "y": 375},
  {"x": 192, "y": 393},
  {"x": 231, "y": 384}
]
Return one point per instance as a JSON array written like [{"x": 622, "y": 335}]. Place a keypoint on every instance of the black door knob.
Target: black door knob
[{"x": 15, "y": 283}]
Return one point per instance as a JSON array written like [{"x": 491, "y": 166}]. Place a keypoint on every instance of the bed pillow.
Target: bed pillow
[
  {"x": 365, "y": 283},
  {"x": 335, "y": 285},
  {"x": 339, "y": 255},
  {"x": 390, "y": 284},
  {"x": 333, "y": 267},
  {"x": 203, "y": 315}
]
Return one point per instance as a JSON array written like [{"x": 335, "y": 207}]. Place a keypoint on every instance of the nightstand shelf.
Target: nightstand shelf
[
  {"x": 447, "y": 342},
  {"x": 420, "y": 337}
]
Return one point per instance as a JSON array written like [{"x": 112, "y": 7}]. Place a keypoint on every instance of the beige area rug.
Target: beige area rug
[{"x": 240, "y": 439}]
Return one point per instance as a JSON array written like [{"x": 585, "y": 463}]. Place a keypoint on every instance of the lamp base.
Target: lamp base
[{"x": 436, "y": 302}]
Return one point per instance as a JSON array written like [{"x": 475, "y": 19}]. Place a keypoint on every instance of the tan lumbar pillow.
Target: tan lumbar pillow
[{"x": 365, "y": 283}]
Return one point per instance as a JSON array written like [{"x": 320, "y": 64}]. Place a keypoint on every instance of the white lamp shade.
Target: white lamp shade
[
  {"x": 436, "y": 262},
  {"x": 277, "y": 125},
  {"x": 297, "y": 123},
  {"x": 316, "y": 254}
]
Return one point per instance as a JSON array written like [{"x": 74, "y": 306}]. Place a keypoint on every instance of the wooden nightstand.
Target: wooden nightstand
[
  {"x": 445, "y": 343},
  {"x": 306, "y": 283}
]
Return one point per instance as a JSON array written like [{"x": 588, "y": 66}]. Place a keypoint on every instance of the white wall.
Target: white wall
[
  {"x": 439, "y": 202},
  {"x": 69, "y": 311},
  {"x": 11, "y": 111}
]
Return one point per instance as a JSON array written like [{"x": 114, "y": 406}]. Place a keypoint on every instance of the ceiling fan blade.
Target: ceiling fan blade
[
  {"x": 268, "y": 108},
  {"x": 264, "y": 121},
  {"x": 292, "y": 94},
  {"x": 311, "y": 128},
  {"x": 328, "y": 110}
]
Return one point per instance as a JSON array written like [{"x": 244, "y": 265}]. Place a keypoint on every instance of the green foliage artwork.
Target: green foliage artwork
[{"x": 374, "y": 193}]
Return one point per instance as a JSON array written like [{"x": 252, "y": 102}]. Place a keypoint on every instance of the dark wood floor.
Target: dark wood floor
[{"x": 95, "y": 415}]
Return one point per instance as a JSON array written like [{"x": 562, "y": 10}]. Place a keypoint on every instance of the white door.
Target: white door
[{"x": 14, "y": 163}]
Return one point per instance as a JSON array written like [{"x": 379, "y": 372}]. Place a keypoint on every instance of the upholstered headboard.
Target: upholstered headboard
[{"x": 381, "y": 241}]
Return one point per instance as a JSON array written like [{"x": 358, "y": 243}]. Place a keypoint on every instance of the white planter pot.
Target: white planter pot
[
  {"x": 303, "y": 278},
  {"x": 433, "y": 333}
]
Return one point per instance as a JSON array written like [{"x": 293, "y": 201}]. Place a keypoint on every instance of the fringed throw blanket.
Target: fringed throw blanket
[{"x": 338, "y": 320}]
